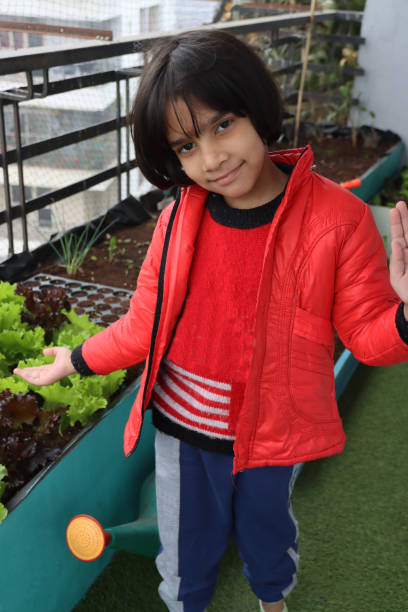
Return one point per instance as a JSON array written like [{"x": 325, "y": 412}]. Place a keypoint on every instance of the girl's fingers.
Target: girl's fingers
[
  {"x": 31, "y": 375},
  {"x": 51, "y": 351},
  {"x": 403, "y": 211},
  {"x": 397, "y": 263},
  {"x": 396, "y": 225}
]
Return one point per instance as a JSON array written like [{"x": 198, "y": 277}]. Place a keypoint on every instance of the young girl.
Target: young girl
[{"x": 248, "y": 272}]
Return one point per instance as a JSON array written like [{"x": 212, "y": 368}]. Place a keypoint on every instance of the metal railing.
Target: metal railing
[{"x": 36, "y": 65}]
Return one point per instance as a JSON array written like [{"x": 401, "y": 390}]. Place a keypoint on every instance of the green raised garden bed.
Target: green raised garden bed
[
  {"x": 92, "y": 476},
  {"x": 373, "y": 179},
  {"x": 372, "y": 182}
]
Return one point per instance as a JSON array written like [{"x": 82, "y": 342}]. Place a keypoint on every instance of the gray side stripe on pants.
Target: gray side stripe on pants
[{"x": 168, "y": 494}]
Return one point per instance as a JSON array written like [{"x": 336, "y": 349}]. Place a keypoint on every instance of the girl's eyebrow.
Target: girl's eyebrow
[{"x": 210, "y": 121}]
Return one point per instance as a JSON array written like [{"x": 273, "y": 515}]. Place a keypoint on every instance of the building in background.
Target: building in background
[{"x": 44, "y": 118}]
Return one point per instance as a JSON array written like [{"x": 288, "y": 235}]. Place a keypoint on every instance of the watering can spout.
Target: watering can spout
[{"x": 87, "y": 539}]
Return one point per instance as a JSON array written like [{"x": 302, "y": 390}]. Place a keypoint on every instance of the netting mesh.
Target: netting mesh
[{"x": 42, "y": 118}]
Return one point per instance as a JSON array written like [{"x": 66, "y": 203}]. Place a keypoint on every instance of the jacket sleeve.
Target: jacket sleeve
[
  {"x": 126, "y": 342},
  {"x": 365, "y": 305}
]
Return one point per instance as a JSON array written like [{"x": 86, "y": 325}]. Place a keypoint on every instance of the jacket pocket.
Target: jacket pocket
[{"x": 311, "y": 376}]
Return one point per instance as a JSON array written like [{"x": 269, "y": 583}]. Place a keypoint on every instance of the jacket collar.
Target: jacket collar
[{"x": 302, "y": 159}]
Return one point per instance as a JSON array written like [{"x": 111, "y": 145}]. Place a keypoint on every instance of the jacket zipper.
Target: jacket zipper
[{"x": 160, "y": 292}]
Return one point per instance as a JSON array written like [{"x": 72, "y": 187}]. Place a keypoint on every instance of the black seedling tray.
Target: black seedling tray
[{"x": 103, "y": 304}]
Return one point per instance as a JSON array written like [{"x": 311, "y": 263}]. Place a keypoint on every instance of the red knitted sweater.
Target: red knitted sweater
[{"x": 200, "y": 386}]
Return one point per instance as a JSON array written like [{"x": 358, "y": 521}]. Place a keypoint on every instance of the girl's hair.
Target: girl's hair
[{"x": 209, "y": 66}]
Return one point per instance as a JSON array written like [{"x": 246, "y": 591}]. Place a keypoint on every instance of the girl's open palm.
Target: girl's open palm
[
  {"x": 52, "y": 372},
  {"x": 399, "y": 252}
]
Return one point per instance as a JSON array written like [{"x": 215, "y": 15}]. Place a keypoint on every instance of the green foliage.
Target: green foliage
[
  {"x": 30, "y": 416},
  {"x": 4, "y": 368},
  {"x": 394, "y": 189},
  {"x": 82, "y": 396},
  {"x": 72, "y": 248},
  {"x": 7, "y": 293},
  {"x": 75, "y": 331},
  {"x": 14, "y": 384},
  {"x": 403, "y": 189},
  {"x": 3, "y": 474},
  {"x": 10, "y": 315},
  {"x": 11, "y": 306},
  {"x": 339, "y": 112},
  {"x": 90, "y": 394},
  {"x": 350, "y": 5},
  {"x": 16, "y": 344},
  {"x": 325, "y": 53},
  {"x": 112, "y": 248}
]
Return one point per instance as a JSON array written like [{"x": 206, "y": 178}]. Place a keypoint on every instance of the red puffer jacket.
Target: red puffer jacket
[{"x": 324, "y": 266}]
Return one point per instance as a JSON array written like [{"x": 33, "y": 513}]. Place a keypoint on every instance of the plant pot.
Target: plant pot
[{"x": 91, "y": 476}]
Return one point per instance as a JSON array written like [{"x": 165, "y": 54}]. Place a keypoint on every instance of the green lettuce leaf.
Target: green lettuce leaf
[
  {"x": 70, "y": 338},
  {"x": 111, "y": 383},
  {"x": 7, "y": 293},
  {"x": 10, "y": 316},
  {"x": 14, "y": 383},
  {"x": 19, "y": 344},
  {"x": 4, "y": 369},
  {"x": 3, "y": 474},
  {"x": 79, "y": 323},
  {"x": 55, "y": 396},
  {"x": 83, "y": 395},
  {"x": 81, "y": 410},
  {"x": 3, "y": 512}
]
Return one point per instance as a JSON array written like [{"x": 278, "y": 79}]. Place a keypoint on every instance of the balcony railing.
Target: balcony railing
[{"x": 26, "y": 153}]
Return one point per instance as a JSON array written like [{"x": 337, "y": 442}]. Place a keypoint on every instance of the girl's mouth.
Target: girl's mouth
[{"x": 230, "y": 176}]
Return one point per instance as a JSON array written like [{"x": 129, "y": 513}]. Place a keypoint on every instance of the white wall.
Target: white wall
[{"x": 384, "y": 56}]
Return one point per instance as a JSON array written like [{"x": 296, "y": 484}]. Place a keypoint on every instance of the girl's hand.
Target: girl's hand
[
  {"x": 52, "y": 372},
  {"x": 399, "y": 252}
]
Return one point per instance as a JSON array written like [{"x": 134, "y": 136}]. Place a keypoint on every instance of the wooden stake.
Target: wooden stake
[{"x": 304, "y": 70}]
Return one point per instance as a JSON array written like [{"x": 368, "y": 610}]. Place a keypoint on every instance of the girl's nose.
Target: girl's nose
[{"x": 212, "y": 158}]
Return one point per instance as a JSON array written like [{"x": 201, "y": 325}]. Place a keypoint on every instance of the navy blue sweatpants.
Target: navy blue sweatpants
[{"x": 201, "y": 505}]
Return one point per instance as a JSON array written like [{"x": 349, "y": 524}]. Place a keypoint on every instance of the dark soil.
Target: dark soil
[
  {"x": 337, "y": 159},
  {"x": 118, "y": 267},
  {"x": 342, "y": 162}
]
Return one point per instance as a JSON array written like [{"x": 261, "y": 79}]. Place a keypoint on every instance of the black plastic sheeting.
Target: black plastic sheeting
[
  {"x": 129, "y": 211},
  {"x": 310, "y": 129}
]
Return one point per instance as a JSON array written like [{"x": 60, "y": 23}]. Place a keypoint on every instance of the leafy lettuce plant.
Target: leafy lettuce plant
[
  {"x": 3, "y": 474},
  {"x": 37, "y": 422}
]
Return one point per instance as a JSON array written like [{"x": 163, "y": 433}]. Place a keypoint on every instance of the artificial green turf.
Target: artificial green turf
[{"x": 352, "y": 511}]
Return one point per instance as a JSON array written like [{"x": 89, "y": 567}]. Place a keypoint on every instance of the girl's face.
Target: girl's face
[{"x": 227, "y": 157}]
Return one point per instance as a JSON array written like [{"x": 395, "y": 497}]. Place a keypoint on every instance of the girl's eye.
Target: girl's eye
[
  {"x": 224, "y": 125},
  {"x": 186, "y": 148}
]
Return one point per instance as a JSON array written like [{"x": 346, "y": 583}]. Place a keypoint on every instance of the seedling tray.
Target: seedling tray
[{"x": 103, "y": 304}]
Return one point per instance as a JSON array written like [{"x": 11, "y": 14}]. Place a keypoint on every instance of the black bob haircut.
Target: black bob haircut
[{"x": 214, "y": 68}]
